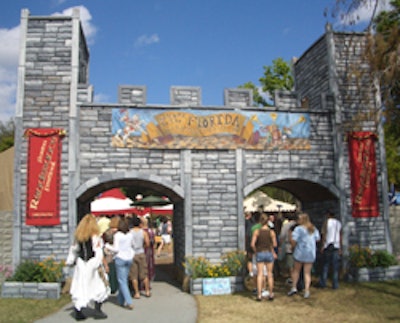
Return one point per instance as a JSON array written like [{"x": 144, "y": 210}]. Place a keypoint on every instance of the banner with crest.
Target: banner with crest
[
  {"x": 43, "y": 184},
  {"x": 364, "y": 189}
]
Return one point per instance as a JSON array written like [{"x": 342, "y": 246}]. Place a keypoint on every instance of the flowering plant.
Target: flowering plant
[
  {"x": 47, "y": 270},
  {"x": 365, "y": 257},
  {"x": 232, "y": 265},
  {"x": 235, "y": 261},
  {"x": 5, "y": 272}
]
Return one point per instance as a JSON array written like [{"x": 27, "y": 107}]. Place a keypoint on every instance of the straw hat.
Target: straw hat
[{"x": 104, "y": 224}]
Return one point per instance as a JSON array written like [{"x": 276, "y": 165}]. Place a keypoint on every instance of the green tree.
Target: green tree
[
  {"x": 258, "y": 99},
  {"x": 385, "y": 62},
  {"x": 278, "y": 76},
  {"x": 6, "y": 135}
]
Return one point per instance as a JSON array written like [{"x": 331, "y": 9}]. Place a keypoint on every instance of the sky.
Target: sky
[{"x": 211, "y": 44}]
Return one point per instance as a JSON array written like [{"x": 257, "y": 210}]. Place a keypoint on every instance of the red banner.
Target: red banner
[
  {"x": 364, "y": 193},
  {"x": 43, "y": 185}
]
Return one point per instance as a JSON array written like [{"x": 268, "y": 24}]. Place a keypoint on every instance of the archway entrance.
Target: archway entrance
[
  {"x": 311, "y": 197},
  {"x": 170, "y": 256}
]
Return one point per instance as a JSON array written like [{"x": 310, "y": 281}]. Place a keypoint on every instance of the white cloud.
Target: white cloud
[
  {"x": 86, "y": 19},
  {"x": 100, "y": 97},
  {"x": 363, "y": 13},
  {"x": 9, "y": 55},
  {"x": 147, "y": 40}
]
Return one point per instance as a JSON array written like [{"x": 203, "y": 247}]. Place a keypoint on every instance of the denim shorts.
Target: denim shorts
[{"x": 264, "y": 256}]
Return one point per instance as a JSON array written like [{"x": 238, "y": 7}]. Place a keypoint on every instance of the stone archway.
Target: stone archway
[
  {"x": 314, "y": 194},
  {"x": 87, "y": 191}
]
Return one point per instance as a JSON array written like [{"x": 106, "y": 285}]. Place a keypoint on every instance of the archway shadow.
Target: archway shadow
[{"x": 167, "y": 273}]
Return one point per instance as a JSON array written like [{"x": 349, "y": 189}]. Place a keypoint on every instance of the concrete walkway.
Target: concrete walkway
[{"x": 167, "y": 304}]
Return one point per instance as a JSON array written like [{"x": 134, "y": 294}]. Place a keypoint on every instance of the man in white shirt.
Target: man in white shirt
[{"x": 331, "y": 249}]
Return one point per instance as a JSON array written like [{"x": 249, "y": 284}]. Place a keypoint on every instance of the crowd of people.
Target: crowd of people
[
  {"x": 116, "y": 256},
  {"x": 113, "y": 256},
  {"x": 288, "y": 246}
]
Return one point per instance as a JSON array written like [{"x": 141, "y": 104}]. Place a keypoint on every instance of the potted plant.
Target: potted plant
[
  {"x": 207, "y": 278},
  {"x": 35, "y": 279},
  {"x": 366, "y": 264}
]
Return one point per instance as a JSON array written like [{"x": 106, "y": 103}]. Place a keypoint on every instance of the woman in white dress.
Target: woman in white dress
[{"x": 89, "y": 281}]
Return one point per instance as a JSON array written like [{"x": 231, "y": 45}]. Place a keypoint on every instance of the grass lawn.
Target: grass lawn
[
  {"x": 366, "y": 302},
  {"x": 22, "y": 310}
]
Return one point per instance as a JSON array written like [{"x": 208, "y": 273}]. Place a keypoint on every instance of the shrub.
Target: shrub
[
  {"x": 365, "y": 257},
  {"x": 383, "y": 259},
  {"x": 232, "y": 264},
  {"x": 47, "y": 270}
]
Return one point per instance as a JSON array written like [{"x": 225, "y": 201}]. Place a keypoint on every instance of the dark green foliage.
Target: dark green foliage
[
  {"x": 278, "y": 76},
  {"x": 27, "y": 271},
  {"x": 47, "y": 270},
  {"x": 6, "y": 135},
  {"x": 360, "y": 257}
]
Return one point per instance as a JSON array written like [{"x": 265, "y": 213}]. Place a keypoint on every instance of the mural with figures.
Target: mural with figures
[{"x": 209, "y": 129}]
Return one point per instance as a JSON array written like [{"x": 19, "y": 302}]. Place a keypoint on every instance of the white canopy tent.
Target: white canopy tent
[
  {"x": 261, "y": 201},
  {"x": 111, "y": 202}
]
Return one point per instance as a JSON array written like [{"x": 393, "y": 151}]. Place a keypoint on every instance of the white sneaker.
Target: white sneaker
[
  {"x": 306, "y": 294},
  {"x": 265, "y": 293}
]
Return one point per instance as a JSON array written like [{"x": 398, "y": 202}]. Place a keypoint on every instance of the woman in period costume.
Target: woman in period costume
[{"x": 89, "y": 281}]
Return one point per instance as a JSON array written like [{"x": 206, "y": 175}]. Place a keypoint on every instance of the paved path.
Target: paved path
[{"x": 167, "y": 304}]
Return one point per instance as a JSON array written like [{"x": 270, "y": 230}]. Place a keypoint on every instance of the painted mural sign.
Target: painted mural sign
[{"x": 209, "y": 129}]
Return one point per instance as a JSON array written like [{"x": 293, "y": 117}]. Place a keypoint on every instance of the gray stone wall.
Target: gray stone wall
[
  {"x": 311, "y": 74},
  {"x": 328, "y": 68},
  {"x": 214, "y": 209},
  {"x": 46, "y": 87},
  {"x": 207, "y": 186},
  {"x": 395, "y": 229},
  {"x": 355, "y": 100}
]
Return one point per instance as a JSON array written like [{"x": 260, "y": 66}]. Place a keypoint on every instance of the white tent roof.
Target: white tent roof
[
  {"x": 110, "y": 204},
  {"x": 112, "y": 201},
  {"x": 268, "y": 204}
]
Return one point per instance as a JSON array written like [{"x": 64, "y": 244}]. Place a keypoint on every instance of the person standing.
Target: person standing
[
  {"x": 138, "y": 270},
  {"x": 286, "y": 247},
  {"x": 166, "y": 232},
  {"x": 149, "y": 251},
  {"x": 123, "y": 249},
  {"x": 89, "y": 281},
  {"x": 263, "y": 243},
  {"x": 249, "y": 222},
  {"x": 304, "y": 240},
  {"x": 331, "y": 249}
]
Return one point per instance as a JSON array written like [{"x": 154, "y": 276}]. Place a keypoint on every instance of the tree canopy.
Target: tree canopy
[
  {"x": 6, "y": 135},
  {"x": 384, "y": 57},
  {"x": 277, "y": 76}
]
